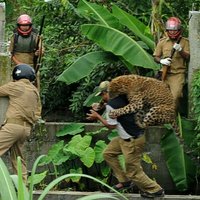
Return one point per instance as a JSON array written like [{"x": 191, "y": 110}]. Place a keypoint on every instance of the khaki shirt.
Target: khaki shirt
[
  {"x": 163, "y": 50},
  {"x": 24, "y": 100}
]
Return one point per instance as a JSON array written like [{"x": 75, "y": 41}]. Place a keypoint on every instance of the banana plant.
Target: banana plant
[
  {"x": 181, "y": 168},
  {"x": 133, "y": 49}
]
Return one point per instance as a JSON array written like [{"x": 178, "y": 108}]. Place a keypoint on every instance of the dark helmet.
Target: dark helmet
[
  {"x": 23, "y": 71},
  {"x": 24, "y": 20},
  {"x": 173, "y": 24}
]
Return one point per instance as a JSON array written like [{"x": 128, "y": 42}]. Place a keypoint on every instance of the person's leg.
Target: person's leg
[
  {"x": 111, "y": 154},
  {"x": 132, "y": 152},
  {"x": 7, "y": 138},
  {"x": 176, "y": 83},
  {"x": 12, "y": 137},
  {"x": 17, "y": 149}
]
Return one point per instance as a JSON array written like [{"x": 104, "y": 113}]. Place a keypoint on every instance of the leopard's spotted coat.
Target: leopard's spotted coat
[{"x": 149, "y": 98}]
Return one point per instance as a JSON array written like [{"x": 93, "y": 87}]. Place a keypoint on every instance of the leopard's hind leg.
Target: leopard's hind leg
[{"x": 159, "y": 115}]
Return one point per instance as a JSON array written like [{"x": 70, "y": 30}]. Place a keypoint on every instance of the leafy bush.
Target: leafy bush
[{"x": 12, "y": 187}]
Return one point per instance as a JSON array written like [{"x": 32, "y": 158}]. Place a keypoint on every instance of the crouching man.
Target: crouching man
[{"x": 23, "y": 111}]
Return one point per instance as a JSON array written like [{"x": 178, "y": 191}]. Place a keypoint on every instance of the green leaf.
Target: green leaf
[
  {"x": 20, "y": 180},
  {"x": 70, "y": 129},
  {"x": 105, "y": 169},
  {"x": 32, "y": 175},
  {"x": 55, "y": 150},
  {"x": 175, "y": 160},
  {"x": 98, "y": 196},
  {"x": 98, "y": 13},
  {"x": 120, "y": 44},
  {"x": 91, "y": 99},
  {"x": 181, "y": 167},
  {"x": 7, "y": 190},
  {"x": 99, "y": 148},
  {"x": 59, "y": 179},
  {"x": 112, "y": 134},
  {"x": 37, "y": 178},
  {"x": 146, "y": 158},
  {"x": 61, "y": 158},
  {"x": 15, "y": 180},
  {"x": 78, "y": 145},
  {"x": 76, "y": 179},
  {"x": 136, "y": 26},
  {"x": 83, "y": 66},
  {"x": 88, "y": 157}
]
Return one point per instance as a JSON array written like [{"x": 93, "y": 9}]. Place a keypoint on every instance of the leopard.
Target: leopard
[{"x": 150, "y": 99}]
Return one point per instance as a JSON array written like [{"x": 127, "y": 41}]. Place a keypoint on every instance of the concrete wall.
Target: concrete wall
[{"x": 34, "y": 148}]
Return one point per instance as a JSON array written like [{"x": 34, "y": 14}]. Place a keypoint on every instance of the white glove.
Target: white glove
[
  {"x": 166, "y": 61},
  {"x": 177, "y": 47}
]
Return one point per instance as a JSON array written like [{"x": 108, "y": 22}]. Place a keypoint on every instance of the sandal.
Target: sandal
[{"x": 123, "y": 185}]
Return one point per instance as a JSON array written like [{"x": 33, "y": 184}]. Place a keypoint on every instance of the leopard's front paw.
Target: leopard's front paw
[
  {"x": 141, "y": 124},
  {"x": 113, "y": 114}
]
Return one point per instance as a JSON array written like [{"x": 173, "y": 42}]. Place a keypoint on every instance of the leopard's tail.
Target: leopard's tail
[{"x": 176, "y": 128}]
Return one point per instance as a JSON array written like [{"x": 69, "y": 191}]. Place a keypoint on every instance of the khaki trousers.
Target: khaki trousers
[
  {"x": 132, "y": 152},
  {"x": 12, "y": 137},
  {"x": 176, "y": 83}
]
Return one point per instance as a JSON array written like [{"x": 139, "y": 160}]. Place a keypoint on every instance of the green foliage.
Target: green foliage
[
  {"x": 64, "y": 43},
  {"x": 9, "y": 191},
  {"x": 195, "y": 97},
  {"x": 79, "y": 153},
  {"x": 82, "y": 151},
  {"x": 182, "y": 169},
  {"x": 112, "y": 39}
]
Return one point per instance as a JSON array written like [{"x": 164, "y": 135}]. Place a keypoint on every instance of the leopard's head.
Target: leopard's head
[{"x": 115, "y": 89}]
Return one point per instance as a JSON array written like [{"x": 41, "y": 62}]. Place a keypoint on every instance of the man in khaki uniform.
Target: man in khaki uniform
[
  {"x": 23, "y": 44},
  {"x": 129, "y": 143},
  {"x": 176, "y": 65},
  {"x": 23, "y": 111}
]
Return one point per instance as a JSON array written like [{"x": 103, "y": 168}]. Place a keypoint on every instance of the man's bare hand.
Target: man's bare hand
[{"x": 93, "y": 115}]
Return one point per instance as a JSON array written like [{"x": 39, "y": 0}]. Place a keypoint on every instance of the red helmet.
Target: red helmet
[
  {"x": 24, "y": 20},
  {"x": 173, "y": 24}
]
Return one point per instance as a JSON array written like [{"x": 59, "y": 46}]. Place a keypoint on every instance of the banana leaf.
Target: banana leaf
[
  {"x": 180, "y": 166},
  {"x": 97, "y": 13},
  {"x": 120, "y": 44},
  {"x": 136, "y": 26},
  {"x": 83, "y": 66}
]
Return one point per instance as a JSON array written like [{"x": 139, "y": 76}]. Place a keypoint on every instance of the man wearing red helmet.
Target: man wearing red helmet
[
  {"x": 176, "y": 64},
  {"x": 24, "y": 42}
]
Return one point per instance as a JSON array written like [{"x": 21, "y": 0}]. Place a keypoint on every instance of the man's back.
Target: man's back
[{"x": 24, "y": 102}]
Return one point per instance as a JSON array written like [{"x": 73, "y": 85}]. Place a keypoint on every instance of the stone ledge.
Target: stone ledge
[{"x": 61, "y": 195}]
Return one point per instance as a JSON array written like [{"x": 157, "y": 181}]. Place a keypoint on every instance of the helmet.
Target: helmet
[
  {"x": 23, "y": 71},
  {"x": 24, "y": 20},
  {"x": 173, "y": 24}
]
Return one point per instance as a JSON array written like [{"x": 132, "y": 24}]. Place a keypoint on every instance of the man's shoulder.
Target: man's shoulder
[
  {"x": 163, "y": 39},
  {"x": 118, "y": 102},
  {"x": 185, "y": 39}
]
